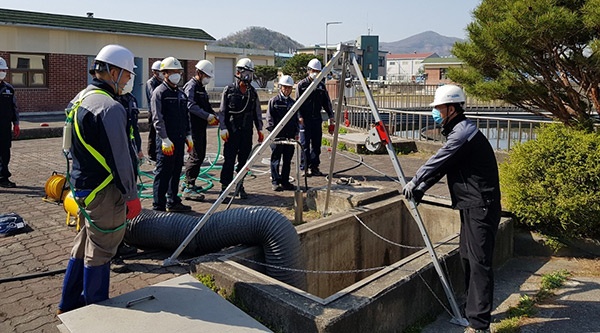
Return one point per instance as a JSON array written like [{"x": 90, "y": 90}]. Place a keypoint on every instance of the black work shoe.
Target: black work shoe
[
  {"x": 288, "y": 187},
  {"x": 126, "y": 249},
  {"x": 316, "y": 172},
  {"x": 242, "y": 193},
  {"x": 277, "y": 187},
  {"x": 159, "y": 209},
  {"x": 7, "y": 183},
  {"x": 179, "y": 207}
]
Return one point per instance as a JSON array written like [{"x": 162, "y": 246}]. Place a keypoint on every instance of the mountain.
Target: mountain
[
  {"x": 424, "y": 42},
  {"x": 260, "y": 38}
]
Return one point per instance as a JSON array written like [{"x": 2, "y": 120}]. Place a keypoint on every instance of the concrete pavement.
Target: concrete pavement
[{"x": 31, "y": 264}]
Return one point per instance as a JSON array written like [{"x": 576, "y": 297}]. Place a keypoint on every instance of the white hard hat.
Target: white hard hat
[
  {"x": 286, "y": 80},
  {"x": 116, "y": 55},
  {"x": 156, "y": 65},
  {"x": 206, "y": 67},
  {"x": 447, "y": 94},
  {"x": 246, "y": 64},
  {"x": 314, "y": 64},
  {"x": 3, "y": 63},
  {"x": 170, "y": 63}
]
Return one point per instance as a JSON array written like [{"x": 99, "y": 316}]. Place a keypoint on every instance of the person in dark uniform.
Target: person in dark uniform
[
  {"x": 9, "y": 114},
  {"x": 309, "y": 117},
  {"x": 171, "y": 121},
  {"x": 282, "y": 153},
  {"x": 151, "y": 84},
  {"x": 103, "y": 177},
  {"x": 239, "y": 111},
  {"x": 201, "y": 115},
  {"x": 130, "y": 104},
  {"x": 468, "y": 161}
]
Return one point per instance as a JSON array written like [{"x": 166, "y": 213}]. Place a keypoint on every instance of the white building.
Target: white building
[{"x": 405, "y": 67}]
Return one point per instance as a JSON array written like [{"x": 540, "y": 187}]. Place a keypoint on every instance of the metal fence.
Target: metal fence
[{"x": 503, "y": 132}]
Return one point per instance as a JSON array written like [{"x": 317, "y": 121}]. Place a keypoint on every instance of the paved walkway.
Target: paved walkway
[{"x": 30, "y": 291}]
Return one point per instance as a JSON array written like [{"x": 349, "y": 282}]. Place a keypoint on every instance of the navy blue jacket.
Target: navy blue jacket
[
  {"x": 9, "y": 112},
  {"x": 277, "y": 109},
  {"x": 170, "y": 113},
  {"x": 318, "y": 99}
]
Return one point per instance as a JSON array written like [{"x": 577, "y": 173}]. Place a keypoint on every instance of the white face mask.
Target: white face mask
[
  {"x": 175, "y": 78},
  {"x": 128, "y": 86},
  {"x": 205, "y": 81},
  {"x": 313, "y": 75},
  {"x": 161, "y": 76},
  {"x": 2, "y": 75}
]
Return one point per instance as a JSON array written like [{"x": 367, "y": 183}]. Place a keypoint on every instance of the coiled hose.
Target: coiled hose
[{"x": 253, "y": 226}]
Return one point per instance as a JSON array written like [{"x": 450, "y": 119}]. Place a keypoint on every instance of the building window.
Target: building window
[
  {"x": 29, "y": 70},
  {"x": 392, "y": 63},
  {"x": 443, "y": 73},
  {"x": 381, "y": 61}
]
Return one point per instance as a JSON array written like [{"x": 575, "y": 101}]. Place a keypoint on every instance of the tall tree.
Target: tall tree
[
  {"x": 264, "y": 74},
  {"x": 540, "y": 55},
  {"x": 296, "y": 65}
]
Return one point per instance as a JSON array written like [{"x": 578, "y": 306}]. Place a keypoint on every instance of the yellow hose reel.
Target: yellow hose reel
[
  {"x": 55, "y": 188},
  {"x": 58, "y": 192}
]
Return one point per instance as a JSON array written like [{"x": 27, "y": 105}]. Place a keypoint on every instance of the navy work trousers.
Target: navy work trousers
[
  {"x": 239, "y": 145},
  {"x": 281, "y": 155},
  {"x": 478, "y": 229},
  {"x": 311, "y": 134},
  {"x": 166, "y": 175}
]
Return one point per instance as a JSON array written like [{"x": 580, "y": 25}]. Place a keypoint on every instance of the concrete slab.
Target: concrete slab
[{"x": 181, "y": 304}]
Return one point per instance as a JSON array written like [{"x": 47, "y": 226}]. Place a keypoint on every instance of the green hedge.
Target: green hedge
[{"x": 552, "y": 184}]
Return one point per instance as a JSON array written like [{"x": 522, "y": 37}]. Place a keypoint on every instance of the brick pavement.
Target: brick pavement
[{"x": 29, "y": 305}]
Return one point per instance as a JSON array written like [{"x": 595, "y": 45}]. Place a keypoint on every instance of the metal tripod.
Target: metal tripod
[{"x": 348, "y": 52}]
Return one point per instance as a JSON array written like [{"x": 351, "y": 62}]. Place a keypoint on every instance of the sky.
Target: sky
[{"x": 303, "y": 21}]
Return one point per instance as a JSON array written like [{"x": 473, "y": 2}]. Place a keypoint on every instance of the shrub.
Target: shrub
[{"x": 552, "y": 184}]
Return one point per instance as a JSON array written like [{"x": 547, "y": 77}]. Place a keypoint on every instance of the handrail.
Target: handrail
[{"x": 502, "y": 132}]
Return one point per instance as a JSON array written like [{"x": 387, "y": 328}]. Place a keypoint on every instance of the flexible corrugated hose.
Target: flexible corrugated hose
[{"x": 253, "y": 226}]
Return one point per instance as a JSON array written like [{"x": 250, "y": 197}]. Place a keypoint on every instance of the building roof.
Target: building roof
[
  {"x": 406, "y": 56},
  {"x": 35, "y": 19},
  {"x": 442, "y": 61}
]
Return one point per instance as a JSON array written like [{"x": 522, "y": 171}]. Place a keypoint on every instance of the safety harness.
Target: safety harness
[{"x": 72, "y": 118}]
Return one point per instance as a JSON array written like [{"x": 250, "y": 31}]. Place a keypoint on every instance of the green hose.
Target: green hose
[{"x": 203, "y": 176}]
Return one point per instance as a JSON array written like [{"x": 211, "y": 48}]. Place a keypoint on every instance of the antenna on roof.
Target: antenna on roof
[{"x": 90, "y": 14}]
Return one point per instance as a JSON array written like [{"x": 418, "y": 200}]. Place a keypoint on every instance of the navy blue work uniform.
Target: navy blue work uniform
[
  {"x": 311, "y": 132},
  {"x": 171, "y": 120},
  {"x": 468, "y": 161},
  {"x": 130, "y": 104},
  {"x": 282, "y": 153},
  {"x": 151, "y": 84},
  {"x": 239, "y": 111},
  {"x": 9, "y": 114},
  {"x": 200, "y": 109}
]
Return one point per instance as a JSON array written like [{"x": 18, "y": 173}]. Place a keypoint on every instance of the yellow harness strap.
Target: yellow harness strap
[{"x": 91, "y": 149}]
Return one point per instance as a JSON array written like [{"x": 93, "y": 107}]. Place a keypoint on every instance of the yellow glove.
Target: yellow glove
[
  {"x": 190, "y": 143},
  {"x": 225, "y": 135},
  {"x": 212, "y": 120},
  {"x": 167, "y": 147}
]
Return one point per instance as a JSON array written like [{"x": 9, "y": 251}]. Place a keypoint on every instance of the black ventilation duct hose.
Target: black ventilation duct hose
[{"x": 253, "y": 226}]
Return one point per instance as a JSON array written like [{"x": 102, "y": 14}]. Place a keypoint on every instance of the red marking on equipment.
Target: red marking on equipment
[
  {"x": 44, "y": 125},
  {"x": 383, "y": 136}
]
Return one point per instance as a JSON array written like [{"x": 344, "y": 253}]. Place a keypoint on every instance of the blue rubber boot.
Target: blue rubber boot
[
  {"x": 72, "y": 287},
  {"x": 96, "y": 280}
]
